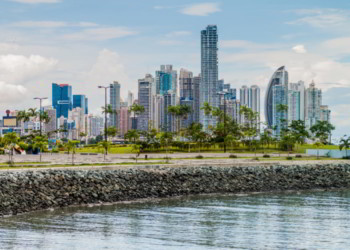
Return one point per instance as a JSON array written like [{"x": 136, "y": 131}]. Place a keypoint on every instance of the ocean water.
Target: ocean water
[{"x": 292, "y": 220}]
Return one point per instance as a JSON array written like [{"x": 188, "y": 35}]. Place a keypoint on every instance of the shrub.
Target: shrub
[
  {"x": 266, "y": 156},
  {"x": 346, "y": 157},
  {"x": 289, "y": 158},
  {"x": 199, "y": 157},
  {"x": 298, "y": 156},
  {"x": 233, "y": 156}
]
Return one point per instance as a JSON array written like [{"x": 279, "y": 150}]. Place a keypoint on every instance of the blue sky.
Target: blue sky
[{"x": 88, "y": 43}]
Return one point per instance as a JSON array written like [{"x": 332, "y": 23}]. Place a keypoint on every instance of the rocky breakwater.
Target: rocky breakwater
[{"x": 25, "y": 191}]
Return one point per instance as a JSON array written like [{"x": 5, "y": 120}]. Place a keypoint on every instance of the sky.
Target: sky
[{"x": 87, "y": 43}]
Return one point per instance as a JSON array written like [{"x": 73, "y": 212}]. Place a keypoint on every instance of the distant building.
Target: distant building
[
  {"x": 114, "y": 100},
  {"x": 130, "y": 98},
  {"x": 196, "y": 98},
  {"x": 313, "y": 102},
  {"x": 80, "y": 101},
  {"x": 62, "y": 99},
  {"x": 277, "y": 95},
  {"x": 296, "y": 103},
  {"x": 125, "y": 121},
  {"x": 51, "y": 126},
  {"x": 209, "y": 73},
  {"x": 187, "y": 95},
  {"x": 325, "y": 114},
  {"x": 145, "y": 100}
]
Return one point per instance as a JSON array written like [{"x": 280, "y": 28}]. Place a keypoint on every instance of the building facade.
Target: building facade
[
  {"x": 276, "y": 99},
  {"x": 62, "y": 99},
  {"x": 145, "y": 86},
  {"x": 296, "y": 103},
  {"x": 114, "y": 100},
  {"x": 80, "y": 101},
  {"x": 209, "y": 73},
  {"x": 313, "y": 102}
]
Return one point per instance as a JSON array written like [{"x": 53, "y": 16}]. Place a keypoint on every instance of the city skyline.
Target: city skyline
[{"x": 244, "y": 59}]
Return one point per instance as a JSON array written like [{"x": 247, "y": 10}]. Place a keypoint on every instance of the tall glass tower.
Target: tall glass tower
[
  {"x": 80, "y": 101},
  {"x": 209, "y": 73},
  {"x": 62, "y": 99},
  {"x": 276, "y": 96},
  {"x": 114, "y": 100}
]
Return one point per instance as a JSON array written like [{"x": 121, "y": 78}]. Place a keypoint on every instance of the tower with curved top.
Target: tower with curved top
[{"x": 276, "y": 97}]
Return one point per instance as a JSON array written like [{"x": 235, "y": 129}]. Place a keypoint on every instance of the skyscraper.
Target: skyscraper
[
  {"x": 187, "y": 95},
  {"x": 276, "y": 99},
  {"x": 62, "y": 99},
  {"x": 250, "y": 97},
  {"x": 296, "y": 94},
  {"x": 130, "y": 98},
  {"x": 325, "y": 114},
  {"x": 80, "y": 101},
  {"x": 209, "y": 73},
  {"x": 145, "y": 100},
  {"x": 313, "y": 102},
  {"x": 114, "y": 100},
  {"x": 196, "y": 97}
]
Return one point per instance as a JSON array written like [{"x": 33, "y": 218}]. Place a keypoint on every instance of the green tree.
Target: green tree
[
  {"x": 165, "y": 139},
  {"x": 137, "y": 110},
  {"x": 10, "y": 141},
  {"x": 231, "y": 140},
  {"x": 345, "y": 144},
  {"x": 282, "y": 109},
  {"x": 71, "y": 147},
  {"x": 322, "y": 130},
  {"x": 318, "y": 144},
  {"x": 40, "y": 142},
  {"x": 250, "y": 125},
  {"x": 132, "y": 136},
  {"x": 111, "y": 132},
  {"x": 299, "y": 132}
]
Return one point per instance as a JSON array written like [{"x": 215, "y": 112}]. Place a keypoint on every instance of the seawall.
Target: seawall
[{"x": 24, "y": 191}]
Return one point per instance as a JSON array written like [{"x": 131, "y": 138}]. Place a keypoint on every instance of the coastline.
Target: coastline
[{"x": 25, "y": 191}]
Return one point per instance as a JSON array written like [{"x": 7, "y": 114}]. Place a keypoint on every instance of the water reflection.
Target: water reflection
[{"x": 319, "y": 220}]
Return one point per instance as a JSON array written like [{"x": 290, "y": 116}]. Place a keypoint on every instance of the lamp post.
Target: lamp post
[
  {"x": 223, "y": 93},
  {"x": 103, "y": 87},
  {"x": 40, "y": 99}
]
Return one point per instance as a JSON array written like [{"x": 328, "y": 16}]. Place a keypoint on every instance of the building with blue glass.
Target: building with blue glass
[
  {"x": 62, "y": 99},
  {"x": 80, "y": 101}
]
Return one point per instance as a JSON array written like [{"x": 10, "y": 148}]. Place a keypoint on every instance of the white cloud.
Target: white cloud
[
  {"x": 322, "y": 18},
  {"x": 99, "y": 34},
  {"x": 167, "y": 42},
  {"x": 39, "y": 24},
  {"x": 300, "y": 49},
  {"x": 243, "y": 44},
  {"x": 36, "y": 1},
  {"x": 178, "y": 33},
  {"x": 201, "y": 9},
  {"x": 21, "y": 69},
  {"x": 11, "y": 94},
  {"x": 52, "y": 24}
]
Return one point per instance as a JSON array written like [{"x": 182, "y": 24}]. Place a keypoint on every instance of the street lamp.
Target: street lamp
[
  {"x": 40, "y": 99},
  {"x": 104, "y": 87},
  {"x": 223, "y": 93}
]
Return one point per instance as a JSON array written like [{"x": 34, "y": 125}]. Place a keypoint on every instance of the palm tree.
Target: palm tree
[
  {"x": 105, "y": 145},
  {"x": 10, "y": 140},
  {"x": 137, "y": 109},
  {"x": 40, "y": 142},
  {"x": 71, "y": 146},
  {"x": 345, "y": 143},
  {"x": 32, "y": 112}
]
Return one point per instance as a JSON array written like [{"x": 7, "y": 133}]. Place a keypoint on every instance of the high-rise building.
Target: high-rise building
[
  {"x": 130, "y": 98},
  {"x": 166, "y": 79},
  {"x": 196, "y": 97},
  {"x": 187, "y": 95},
  {"x": 296, "y": 94},
  {"x": 114, "y": 100},
  {"x": 313, "y": 102},
  {"x": 325, "y": 114},
  {"x": 51, "y": 126},
  {"x": 145, "y": 100},
  {"x": 250, "y": 97},
  {"x": 78, "y": 116},
  {"x": 96, "y": 125},
  {"x": 209, "y": 73},
  {"x": 276, "y": 99},
  {"x": 231, "y": 93},
  {"x": 62, "y": 99},
  {"x": 80, "y": 101},
  {"x": 125, "y": 122},
  {"x": 86, "y": 105}
]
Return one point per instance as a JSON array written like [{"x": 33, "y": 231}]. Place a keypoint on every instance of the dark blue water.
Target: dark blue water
[{"x": 298, "y": 220}]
